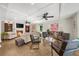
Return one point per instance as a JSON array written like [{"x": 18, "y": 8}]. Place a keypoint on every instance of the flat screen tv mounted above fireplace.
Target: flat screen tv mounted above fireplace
[{"x": 18, "y": 25}]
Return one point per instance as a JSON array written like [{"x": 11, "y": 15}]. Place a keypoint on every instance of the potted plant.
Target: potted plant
[{"x": 4, "y": 35}]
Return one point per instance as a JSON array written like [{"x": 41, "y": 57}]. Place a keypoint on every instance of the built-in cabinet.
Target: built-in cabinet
[{"x": 8, "y": 27}]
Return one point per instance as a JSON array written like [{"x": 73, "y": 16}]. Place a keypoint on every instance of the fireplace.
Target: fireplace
[{"x": 19, "y": 33}]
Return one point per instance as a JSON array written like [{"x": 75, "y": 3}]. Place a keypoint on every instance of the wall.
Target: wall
[
  {"x": 2, "y": 13},
  {"x": 0, "y": 30},
  {"x": 0, "y": 33},
  {"x": 2, "y": 16},
  {"x": 77, "y": 23},
  {"x": 46, "y": 25},
  {"x": 67, "y": 25}
]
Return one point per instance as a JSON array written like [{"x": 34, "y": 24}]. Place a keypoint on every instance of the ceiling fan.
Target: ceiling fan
[
  {"x": 27, "y": 22},
  {"x": 45, "y": 16}
]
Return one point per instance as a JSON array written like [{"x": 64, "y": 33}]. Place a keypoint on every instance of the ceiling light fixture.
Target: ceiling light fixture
[{"x": 32, "y": 3}]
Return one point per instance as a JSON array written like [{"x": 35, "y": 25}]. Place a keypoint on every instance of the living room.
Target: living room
[{"x": 19, "y": 20}]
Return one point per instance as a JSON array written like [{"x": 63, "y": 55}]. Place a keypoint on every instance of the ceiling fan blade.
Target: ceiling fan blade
[
  {"x": 46, "y": 19},
  {"x": 45, "y": 14},
  {"x": 49, "y": 16}
]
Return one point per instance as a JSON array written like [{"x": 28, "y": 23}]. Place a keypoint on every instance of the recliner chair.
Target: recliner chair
[
  {"x": 35, "y": 40},
  {"x": 44, "y": 34}
]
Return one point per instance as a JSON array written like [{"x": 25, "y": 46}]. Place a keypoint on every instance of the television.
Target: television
[{"x": 18, "y": 25}]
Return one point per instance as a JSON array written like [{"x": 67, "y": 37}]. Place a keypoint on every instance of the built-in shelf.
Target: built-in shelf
[{"x": 8, "y": 27}]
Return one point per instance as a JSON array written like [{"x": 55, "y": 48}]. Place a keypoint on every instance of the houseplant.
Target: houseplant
[{"x": 4, "y": 35}]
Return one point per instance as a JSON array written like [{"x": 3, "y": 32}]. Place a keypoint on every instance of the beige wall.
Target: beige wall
[
  {"x": 77, "y": 23},
  {"x": 0, "y": 30},
  {"x": 67, "y": 25}
]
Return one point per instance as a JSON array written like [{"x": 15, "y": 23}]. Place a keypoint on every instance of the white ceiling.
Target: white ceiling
[
  {"x": 69, "y": 9},
  {"x": 26, "y": 8},
  {"x": 33, "y": 12}
]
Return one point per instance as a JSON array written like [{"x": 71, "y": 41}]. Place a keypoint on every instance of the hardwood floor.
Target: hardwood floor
[{"x": 10, "y": 49}]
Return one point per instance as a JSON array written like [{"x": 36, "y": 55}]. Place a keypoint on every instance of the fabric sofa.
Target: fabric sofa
[
  {"x": 25, "y": 37},
  {"x": 72, "y": 46}
]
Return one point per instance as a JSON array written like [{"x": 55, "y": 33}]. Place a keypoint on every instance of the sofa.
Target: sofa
[
  {"x": 60, "y": 42},
  {"x": 25, "y": 37},
  {"x": 72, "y": 46}
]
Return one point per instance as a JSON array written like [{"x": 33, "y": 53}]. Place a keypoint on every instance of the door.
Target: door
[{"x": 27, "y": 28}]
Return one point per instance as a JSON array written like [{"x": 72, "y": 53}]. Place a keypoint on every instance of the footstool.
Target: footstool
[{"x": 19, "y": 42}]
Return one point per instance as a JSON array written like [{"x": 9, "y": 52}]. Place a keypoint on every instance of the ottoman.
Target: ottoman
[{"x": 19, "y": 42}]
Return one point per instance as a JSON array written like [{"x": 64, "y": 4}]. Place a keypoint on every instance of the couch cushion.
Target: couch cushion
[{"x": 72, "y": 44}]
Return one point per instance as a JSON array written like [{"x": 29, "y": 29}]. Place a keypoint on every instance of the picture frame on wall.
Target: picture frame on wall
[{"x": 54, "y": 27}]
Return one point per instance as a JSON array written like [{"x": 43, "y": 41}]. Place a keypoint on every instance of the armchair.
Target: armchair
[{"x": 35, "y": 40}]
